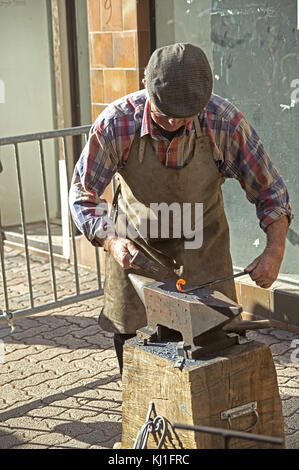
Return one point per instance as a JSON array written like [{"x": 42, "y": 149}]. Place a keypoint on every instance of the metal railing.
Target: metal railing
[
  {"x": 6, "y": 314},
  {"x": 229, "y": 434}
]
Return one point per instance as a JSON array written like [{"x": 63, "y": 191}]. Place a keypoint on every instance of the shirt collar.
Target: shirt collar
[{"x": 147, "y": 126}]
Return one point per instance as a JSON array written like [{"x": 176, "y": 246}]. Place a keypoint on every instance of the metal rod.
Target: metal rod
[
  {"x": 48, "y": 224},
  {"x": 44, "y": 135},
  {"x": 51, "y": 305},
  {"x": 98, "y": 267},
  {"x": 23, "y": 222},
  {"x": 71, "y": 224},
  {"x": 226, "y": 433},
  {"x": 247, "y": 325},
  {"x": 216, "y": 281},
  {"x": 2, "y": 259}
]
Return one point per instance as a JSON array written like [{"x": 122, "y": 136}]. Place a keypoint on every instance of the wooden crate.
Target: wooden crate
[{"x": 198, "y": 393}]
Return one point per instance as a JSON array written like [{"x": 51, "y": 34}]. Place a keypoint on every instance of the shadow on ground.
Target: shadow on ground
[
  {"x": 104, "y": 433},
  {"x": 72, "y": 332},
  {"x": 22, "y": 410}
]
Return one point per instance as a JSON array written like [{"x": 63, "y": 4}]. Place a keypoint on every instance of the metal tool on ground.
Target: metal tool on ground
[
  {"x": 203, "y": 321},
  {"x": 181, "y": 282}
]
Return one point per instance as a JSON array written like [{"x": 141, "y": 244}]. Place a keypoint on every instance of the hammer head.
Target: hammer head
[{"x": 195, "y": 315}]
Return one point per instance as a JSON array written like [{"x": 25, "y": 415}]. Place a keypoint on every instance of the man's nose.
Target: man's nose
[{"x": 174, "y": 121}]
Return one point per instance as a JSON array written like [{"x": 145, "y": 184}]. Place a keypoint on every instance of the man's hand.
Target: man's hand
[
  {"x": 265, "y": 268},
  {"x": 121, "y": 249}
]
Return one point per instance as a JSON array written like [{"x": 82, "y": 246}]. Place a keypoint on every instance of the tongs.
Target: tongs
[{"x": 181, "y": 282}]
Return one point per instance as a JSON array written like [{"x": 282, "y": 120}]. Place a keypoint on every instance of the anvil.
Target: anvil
[{"x": 203, "y": 319}]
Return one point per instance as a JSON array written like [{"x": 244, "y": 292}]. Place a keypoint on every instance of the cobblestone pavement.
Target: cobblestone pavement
[{"x": 60, "y": 386}]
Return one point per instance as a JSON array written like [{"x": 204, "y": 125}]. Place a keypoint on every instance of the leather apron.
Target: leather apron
[{"x": 145, "y": 180}]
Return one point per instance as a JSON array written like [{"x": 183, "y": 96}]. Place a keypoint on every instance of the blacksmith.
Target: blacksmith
[{"x": 175, "y": 142}]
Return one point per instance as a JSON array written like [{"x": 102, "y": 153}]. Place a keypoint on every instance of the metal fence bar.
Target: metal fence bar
[
  {"x": 23, "y": 222},
  {"x": 48, "y": 225},
  {"x": 98, "y": 267},
  {"x": 43, "y": 135},
  {"x": 228, "y": 434},
  {"x": 6, "y": 315},
  {"x": 6, "y": 300},
  {"x": 50, "y": 305},
  {"x": 71, "y": 224}
]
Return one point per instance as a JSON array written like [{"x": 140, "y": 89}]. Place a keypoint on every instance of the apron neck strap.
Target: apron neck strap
[{"x": 197, "y": 127}]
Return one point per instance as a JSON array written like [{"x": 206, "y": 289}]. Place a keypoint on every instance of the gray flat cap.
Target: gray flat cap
[{"x": 179, "y": 80}]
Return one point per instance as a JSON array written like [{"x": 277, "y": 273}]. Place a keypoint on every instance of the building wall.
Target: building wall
[
  {"x": 119, "y": 48},
  {"x": 27, "y": 106}
]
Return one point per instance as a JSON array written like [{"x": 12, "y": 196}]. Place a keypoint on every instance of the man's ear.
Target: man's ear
[{"x": 144, "y": 82}]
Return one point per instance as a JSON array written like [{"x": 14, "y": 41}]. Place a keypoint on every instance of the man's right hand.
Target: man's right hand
[{"x": 121, "y": 249}]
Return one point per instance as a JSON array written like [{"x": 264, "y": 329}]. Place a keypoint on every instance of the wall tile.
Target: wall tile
[
  {"x": 97, "y": 86},
  {"x": 101, "y": 50},
  {"x": 124, "y": 50},
  {"x": 93, "y": 9},
  {"x": 129, "y": 14},
  {"x": 96, "y": 110},
  {"x": 114, "y": 85},
  {"x": 111, "y": 15},
  {"x": 132, "y": 81}
]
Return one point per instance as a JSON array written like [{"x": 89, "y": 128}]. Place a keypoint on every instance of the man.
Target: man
[{"x": 175, "y": 142}]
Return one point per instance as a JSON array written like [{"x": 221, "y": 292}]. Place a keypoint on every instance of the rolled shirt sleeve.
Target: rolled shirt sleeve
[{"x": 93, "y": 172}]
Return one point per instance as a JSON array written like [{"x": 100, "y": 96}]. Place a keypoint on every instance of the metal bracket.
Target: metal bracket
[
  {"x": 239, "y": 338},
  {"x": 239, "y": 411},
  {"x": 182, "y": 349},
  {"x": 243, "y": 339}
]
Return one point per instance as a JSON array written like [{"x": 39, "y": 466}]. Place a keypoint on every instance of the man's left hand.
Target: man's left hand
[{"x": 265, "y": 268}]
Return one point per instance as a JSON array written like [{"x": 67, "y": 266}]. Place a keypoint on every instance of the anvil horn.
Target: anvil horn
[{"x": 139, "y": 283}]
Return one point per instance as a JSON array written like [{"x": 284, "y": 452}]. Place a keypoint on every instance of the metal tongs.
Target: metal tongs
[{"x": 181, "y": 282}]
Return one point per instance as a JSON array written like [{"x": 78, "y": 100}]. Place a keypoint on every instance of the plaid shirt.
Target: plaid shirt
[{"x": 236, "y": 148}]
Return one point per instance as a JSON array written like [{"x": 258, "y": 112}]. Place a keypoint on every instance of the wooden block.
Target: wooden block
[{"x": 198, "y": 393}]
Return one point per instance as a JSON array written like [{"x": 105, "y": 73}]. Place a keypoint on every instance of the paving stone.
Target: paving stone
[
  {"x": 262, "y": 338},
  {"x": 292, "y": 442},
  {"x": 288, "y": 391},
  {"x": 288, "y": 371},
  {"x": 284, "y": 335},
  {"x": 280, "y": 348},
  {"x": 10, "y": 440},
  {"x": 290, "y": 407},
  {"x": 11, "y": 395},
  {"x": 46, "y": 440}
]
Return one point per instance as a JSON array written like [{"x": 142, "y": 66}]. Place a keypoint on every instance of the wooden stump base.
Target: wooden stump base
[{"x": 199, "y": 393}]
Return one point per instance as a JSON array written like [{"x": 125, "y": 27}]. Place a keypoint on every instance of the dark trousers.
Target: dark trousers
[{"x": 119, "y": 340}]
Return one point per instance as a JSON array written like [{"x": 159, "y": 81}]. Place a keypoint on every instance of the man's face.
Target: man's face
[{"x": 168, "y": 123}]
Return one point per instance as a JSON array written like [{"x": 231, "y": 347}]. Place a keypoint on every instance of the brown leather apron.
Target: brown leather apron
[{"x": 145, "y": 180}]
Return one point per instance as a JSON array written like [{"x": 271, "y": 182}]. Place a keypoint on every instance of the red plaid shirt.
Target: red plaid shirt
[{"x": 237, "y": 149}]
